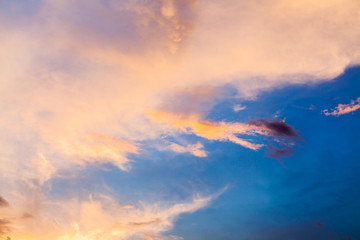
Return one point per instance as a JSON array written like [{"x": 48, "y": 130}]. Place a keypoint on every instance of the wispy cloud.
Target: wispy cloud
[
  {"x": 196, "y": 149},
  {"x": 281, "y": 132},
  {"x": 101, "y": 217},
  {"x": 221, "y": 131},
  {"x": 238, "y": 107},
  {"x": 342, "y": 109}
]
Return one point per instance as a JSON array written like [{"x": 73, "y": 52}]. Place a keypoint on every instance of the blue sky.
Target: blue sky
[
  {"x": 318, "y": 183},
  {"x": 172, "y": 119}
]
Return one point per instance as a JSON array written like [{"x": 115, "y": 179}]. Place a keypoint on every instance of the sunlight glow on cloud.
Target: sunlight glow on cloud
[
  {"x": 224, "y": 131},
  {"x": 99, "y": 218},
  {"x": 78, "y": 79}
]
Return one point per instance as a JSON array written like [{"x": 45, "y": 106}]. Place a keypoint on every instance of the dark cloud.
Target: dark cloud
[
  {"x": 3, "y": 202},
  {"x": 281, "y": 136},
  {"x": 279, "y": 152},
  {"x": 276, "y": 128}
]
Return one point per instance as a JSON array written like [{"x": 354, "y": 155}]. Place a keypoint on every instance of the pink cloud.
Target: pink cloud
[{"x": 342, "y": 109}]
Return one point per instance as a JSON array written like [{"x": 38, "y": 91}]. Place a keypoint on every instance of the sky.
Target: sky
[{"x": 179, "y": 120}]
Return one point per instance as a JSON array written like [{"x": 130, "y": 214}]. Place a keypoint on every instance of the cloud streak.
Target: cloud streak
[
  {"x": 196, "y": 149},
  {"x": 342, "y": 109},
  {"x": 235, "y": 132}
]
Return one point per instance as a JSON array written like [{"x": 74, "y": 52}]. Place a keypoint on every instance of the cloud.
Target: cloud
[
  {"x": 101, "y": 71},
  {"x": 4, "y": 226},
  {"x": 238, "y": 107},
  {"x": 193, "y": 124},
  {"x": 278, "y": 152},
  {"x": 78, "y": 78},
  {"x": 3, "y": 202},
  {"x": 99, "y": 148},
  {"x": 283, "y": 137},
  {"x": 276, "y": 131},
  {"x": 343, "y": 108},
  {"x": 160, "y": 237},
  {"x": 275, "y": 127},
  {"x": 101, "y": 217},
  {"x": 196, "y": 149}
]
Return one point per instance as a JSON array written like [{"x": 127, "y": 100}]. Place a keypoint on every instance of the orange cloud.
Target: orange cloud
[
  {"x": 221, "y": 131},
  {"x": 101, "y": 218}
]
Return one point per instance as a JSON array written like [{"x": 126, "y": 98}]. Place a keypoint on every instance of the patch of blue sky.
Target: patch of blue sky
[{"x": 320, "y": 181}]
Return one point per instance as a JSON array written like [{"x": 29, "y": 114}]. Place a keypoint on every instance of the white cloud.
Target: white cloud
[{"x": 239, "y": 107}]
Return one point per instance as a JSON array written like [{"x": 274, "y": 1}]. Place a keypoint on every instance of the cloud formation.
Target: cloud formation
[
  {"x": 275, "y": 127},
  {"x": 101, "y": 71},
  {"x": 235, "y": 132},
  {"x": 193, "y": 124},
  {"x": 78, "y": 79},
  {"x": 102, "y": 218},
  {"x": 342, "y": 109}
]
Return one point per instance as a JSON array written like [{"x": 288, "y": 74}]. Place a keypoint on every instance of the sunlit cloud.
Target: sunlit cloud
[
  {"x": 101, "y": 218},
  {"x": 342, "y": 109},
  {"x": 227, "y": 131}
]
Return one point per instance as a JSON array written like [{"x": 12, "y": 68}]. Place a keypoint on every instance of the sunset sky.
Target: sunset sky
[{"x": 179, "y": 120}]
